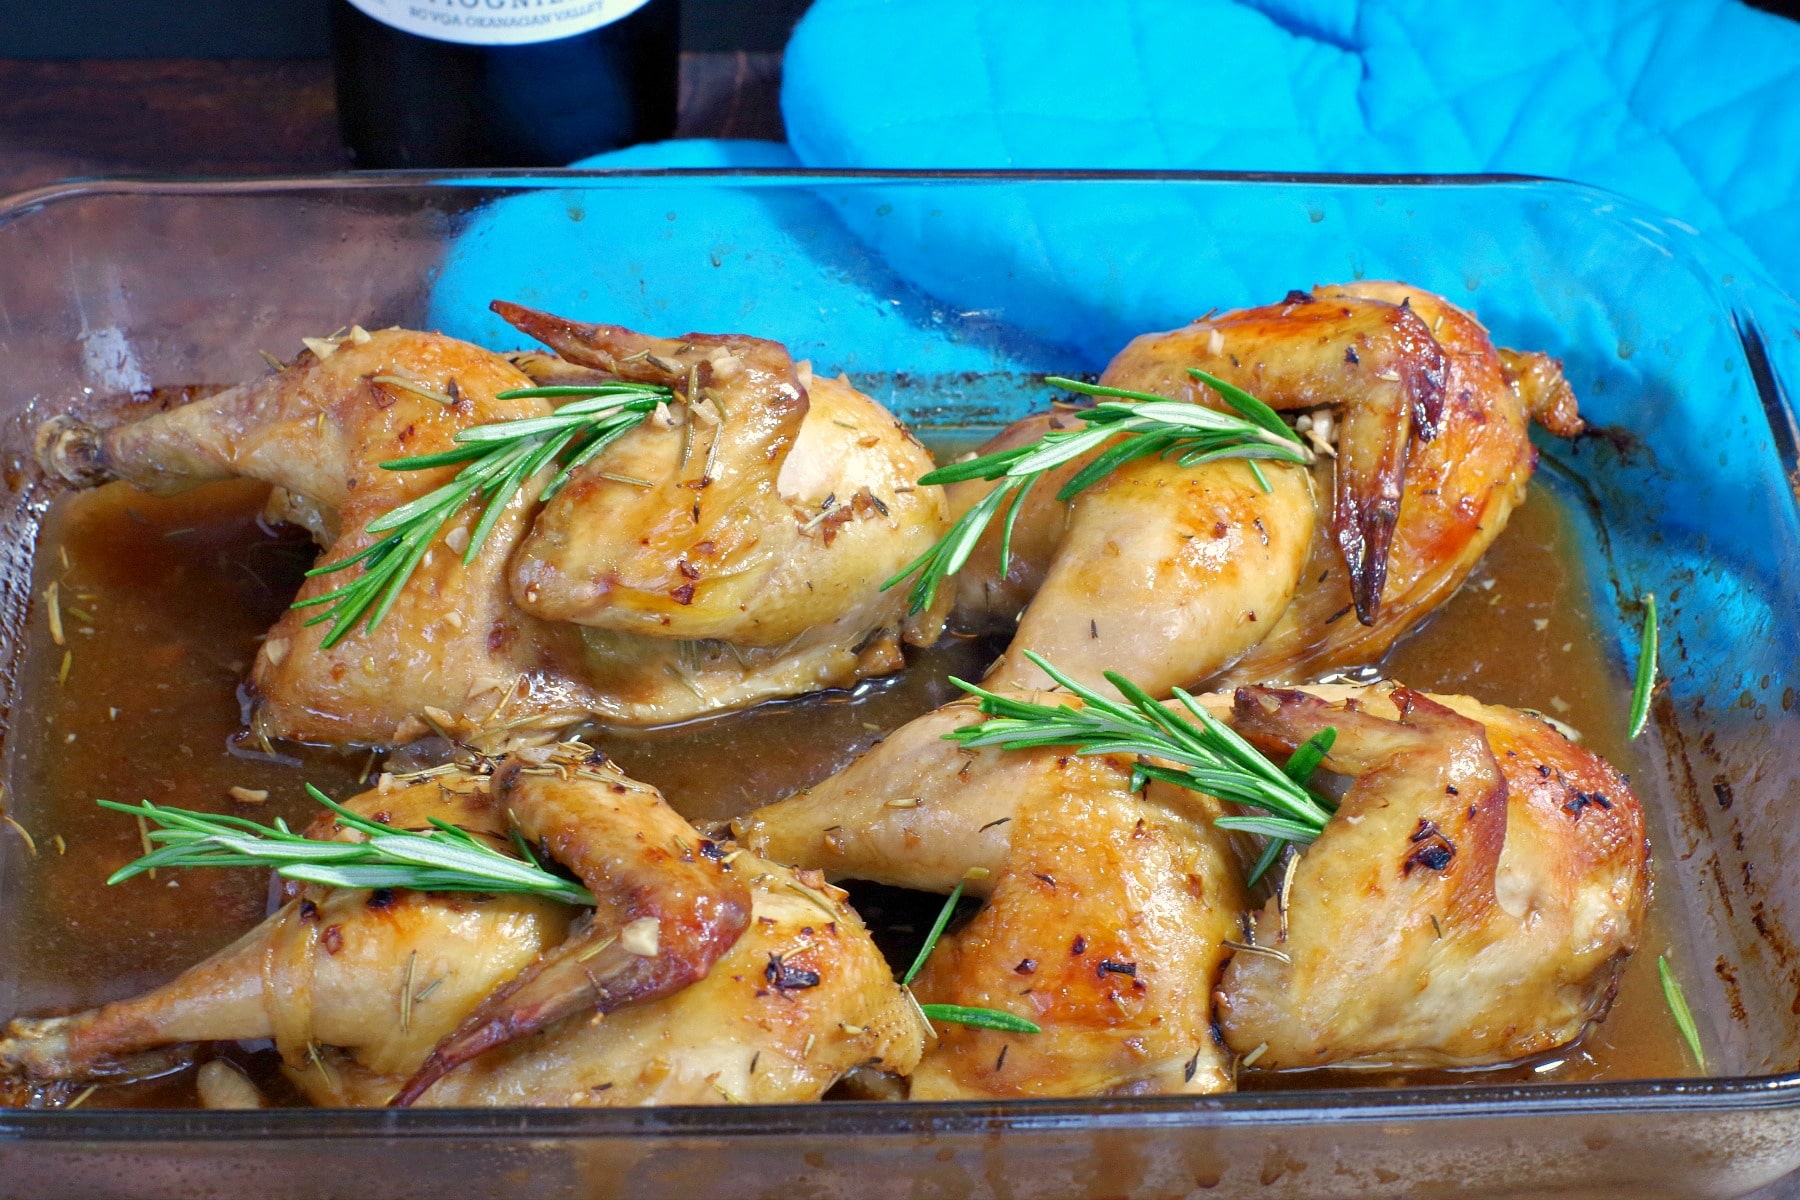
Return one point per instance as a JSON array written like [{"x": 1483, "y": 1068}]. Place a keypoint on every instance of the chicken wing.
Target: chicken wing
[
  {"x": 751, "y": 566},
  {"x": 1412, "y": 514},
  {"x": 667, "y": 908},
  {"x": 1376, "y": 362},
  {"x": 1471, "y": 902}
]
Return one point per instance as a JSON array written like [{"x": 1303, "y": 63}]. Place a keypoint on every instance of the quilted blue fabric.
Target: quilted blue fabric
[{"x": 1689, "y": 106}]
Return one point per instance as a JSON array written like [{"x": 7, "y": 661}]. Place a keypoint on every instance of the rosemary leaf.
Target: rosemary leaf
[
  {"x": 981, "y": 1018},
  {"x": 931, "y": 939},
  {"x": 497, "y": 460},
  {"x": 1308, "y": 755},
  {"x": 1645, "y": 683},
  {"x": 1299, "y": 767},
  {"x": 1678, "y": 1008},
  {"x": 445, "y": 859},
  {"x": 1191, "y": 434},
  {"x": 1188, "y": 747}
]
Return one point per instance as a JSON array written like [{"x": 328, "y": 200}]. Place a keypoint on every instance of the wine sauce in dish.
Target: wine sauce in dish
[{"x": 159, "y": 603}]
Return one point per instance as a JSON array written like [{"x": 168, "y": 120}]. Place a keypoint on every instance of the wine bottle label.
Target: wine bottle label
[{"x": 497, "y": 22}]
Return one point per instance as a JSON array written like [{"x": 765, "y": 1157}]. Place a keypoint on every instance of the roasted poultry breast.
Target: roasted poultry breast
[{"x": 1178, "y": 849}]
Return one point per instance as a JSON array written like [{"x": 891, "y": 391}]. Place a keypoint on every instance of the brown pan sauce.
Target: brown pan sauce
[{"x": 163, "y": 603}]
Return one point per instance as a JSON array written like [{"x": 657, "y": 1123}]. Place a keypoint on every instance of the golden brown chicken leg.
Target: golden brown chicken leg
[
  {"x": 1166, "y": 574},
  {"x": 1106, "y": 927},
  {"x": 802, "y": 999},
  {"x": 1107, "y": 912},
  {"x": 332, "y": 967},
  {"x": 721, "y": 977},
  {"x": 728, "y": 550},
  {"x": 318, "y": 431}
]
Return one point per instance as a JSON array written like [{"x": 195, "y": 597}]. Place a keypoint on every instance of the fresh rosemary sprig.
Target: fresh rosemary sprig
[
  {"x": 1209, "y": 756},
  {"x": 981, "y": 1018},
  {"x": 1678, "y": 1008},
  {"x": 937, "y": 931},
  {"x": 1190, "y": 433},
  {"x": 500, "y": 458},
  {"x": 957, "y": 1014},
  {"x": 445, "y": 859},
  {"x": 1646, "y": 672},
  {"x": 1299, "y": 767}
]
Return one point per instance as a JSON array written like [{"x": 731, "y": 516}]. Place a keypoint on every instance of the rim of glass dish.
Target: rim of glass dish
[
  {"x": 1719, "y": 1094},
  {"x": 514, "y": 177}
]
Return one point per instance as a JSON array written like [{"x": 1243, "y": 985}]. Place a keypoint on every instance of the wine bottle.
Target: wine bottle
[{"x": 502, "y": 83}]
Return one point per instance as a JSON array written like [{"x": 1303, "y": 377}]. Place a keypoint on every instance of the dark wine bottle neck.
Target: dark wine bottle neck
[{"x": 408, "y": 100}]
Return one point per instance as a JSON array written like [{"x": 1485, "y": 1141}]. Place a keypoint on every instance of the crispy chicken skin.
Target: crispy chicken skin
[
  {"x": 1431, "y": 457},
  {"x": 751, "y": 567},
  {"x": 740, "y": 559},
  {"x": 717, "y": 980},
  {"x": 1471, "y": 902},
  {"x": 1166, "y": 574},
  {"x": 1105, "y": 927}
]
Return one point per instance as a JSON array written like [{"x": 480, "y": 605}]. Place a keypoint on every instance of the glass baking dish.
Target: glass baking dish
[{"x": 946, "y": 296}]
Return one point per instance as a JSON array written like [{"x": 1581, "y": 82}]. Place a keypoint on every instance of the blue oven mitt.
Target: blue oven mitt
[
  {"x": 1689, "y": 106},
  {"x": 693, "y": 256}
]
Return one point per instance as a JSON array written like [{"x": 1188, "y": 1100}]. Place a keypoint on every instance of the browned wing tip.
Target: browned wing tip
[
  {"x": 576, "y": 341},
  {"x": 449, "y": 1055},
  {"x": 1365, "y": 534},
  {"x": 621, "y": 352},
  {"x": 1279, "y": 716}
]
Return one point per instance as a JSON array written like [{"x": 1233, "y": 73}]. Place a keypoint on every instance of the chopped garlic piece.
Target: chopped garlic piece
[{"x": 642, "y": 936}]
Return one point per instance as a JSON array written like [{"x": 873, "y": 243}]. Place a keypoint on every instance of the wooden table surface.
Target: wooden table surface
[{"x": 60, "y": 119}]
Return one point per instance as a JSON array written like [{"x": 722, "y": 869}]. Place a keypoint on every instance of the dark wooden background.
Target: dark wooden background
[
  {"x": 243, "y": 87},
  {"x": 62, "y": 118}
]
